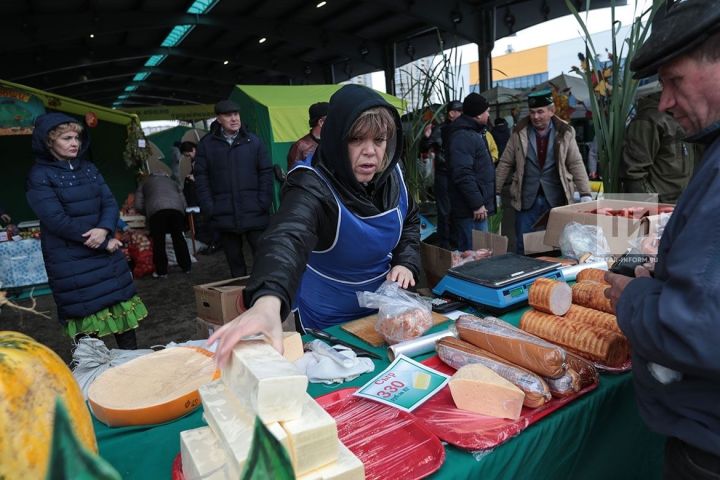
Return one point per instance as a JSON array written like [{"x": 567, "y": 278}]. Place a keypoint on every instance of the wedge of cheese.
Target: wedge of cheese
[
  {"x": 272, "y": 385},
  {"x": 201, "y": 454},
  {"x": 478, "y": 389},
  {"x": 293, "y": 346},
  {"x": 347, "y": 467},
  {"x": 313, "y": 438},
  {"x": 233, "y": 423}
]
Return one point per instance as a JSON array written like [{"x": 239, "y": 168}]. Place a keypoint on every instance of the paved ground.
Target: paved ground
[{"x": 170, "y": 301}]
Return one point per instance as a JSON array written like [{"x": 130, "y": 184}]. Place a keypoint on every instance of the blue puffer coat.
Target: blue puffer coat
[
  {"x": 71, "y": 198},
  {"x": 234, "y": 182}
]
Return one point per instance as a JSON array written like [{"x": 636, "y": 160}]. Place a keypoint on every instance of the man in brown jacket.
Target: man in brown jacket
[
  {"x": 306, "y": 145},
  {"x": 544, "y": 161}
]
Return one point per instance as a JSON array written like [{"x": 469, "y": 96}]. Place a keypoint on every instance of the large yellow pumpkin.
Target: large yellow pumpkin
[{"x": 31, "y": 377}]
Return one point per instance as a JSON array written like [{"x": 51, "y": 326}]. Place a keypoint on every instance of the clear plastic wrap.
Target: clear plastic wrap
[
  {"x": 457, "y": 353},
  {"x": 402, "y": 315},
  {"x": 473, "y": 431},
  {"x": 578, "y": 239},
  {"x": 512, "y": 344},
  {"x": 566, "y": 385},
  {"x": 459, "y": 258},
  {"x": 648, "y": 244},
  {"x": 390, "y": 443}
]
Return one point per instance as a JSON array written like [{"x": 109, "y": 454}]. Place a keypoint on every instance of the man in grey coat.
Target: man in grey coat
[{"x": 160, "y": 198}]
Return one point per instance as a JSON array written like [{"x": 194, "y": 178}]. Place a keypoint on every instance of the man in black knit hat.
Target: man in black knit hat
[{"x": 472, "y": 193}]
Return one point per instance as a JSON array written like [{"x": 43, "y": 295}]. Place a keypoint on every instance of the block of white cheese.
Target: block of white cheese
[
  {"x": 347, "y": 467},
  {"x": 201, "y": 454},
  {"x": 273, "y": 386},
  {"x": 233, "y": 422},
  {"x": 313, "y": 438},
  {"x": 478, "y": 389}
]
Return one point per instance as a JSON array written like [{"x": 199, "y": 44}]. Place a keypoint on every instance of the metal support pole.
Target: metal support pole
[
  {"x": 390, "y": 64},
  {"x": 486, "y": 44}
]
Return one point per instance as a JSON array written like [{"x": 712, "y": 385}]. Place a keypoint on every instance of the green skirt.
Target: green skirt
[{"x": 118, "y": 318}]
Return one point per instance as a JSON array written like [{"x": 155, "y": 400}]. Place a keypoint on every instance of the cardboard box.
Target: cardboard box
[
  {"x": 204, "y": 329},
  {"x": 534, "y": 242},
  {"x": 618, "y": 230},
  {"x": 220, "y": 302},
  {"x": 436, "y": 261}
]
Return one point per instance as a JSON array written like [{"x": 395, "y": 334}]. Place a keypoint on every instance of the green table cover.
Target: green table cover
[{"x": 597, "y": 436}]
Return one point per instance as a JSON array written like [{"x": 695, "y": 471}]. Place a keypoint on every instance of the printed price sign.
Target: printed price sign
[{"x": 404, "y": 384}]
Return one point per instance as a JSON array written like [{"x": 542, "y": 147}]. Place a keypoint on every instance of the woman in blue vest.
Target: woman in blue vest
[
  {"x": 90, "y": 279},
  {"x": 346, "y": 224}
]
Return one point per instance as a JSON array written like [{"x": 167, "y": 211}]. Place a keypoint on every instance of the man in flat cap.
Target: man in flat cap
[
  {"x": 472, "y": 174},
  {"x": 672, "y": 319},
  {"x": 433, "y": 139},
  {"x": 306, "y": 145},
  {"x": 544, "y": 161},
  {"x": 234, "y": 180}
]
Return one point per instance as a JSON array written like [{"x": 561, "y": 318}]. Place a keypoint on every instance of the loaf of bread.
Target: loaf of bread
[
  {"x": 512, "y": 344},
  {"x": 592, "y": 295},
  {"x": 550, "y": 296},
  {"x": 591, "y": 274},
  {"x": 593, "y": 317},
  {"x": 458, "y": 353},
  {"x": 596, "y": 343}
]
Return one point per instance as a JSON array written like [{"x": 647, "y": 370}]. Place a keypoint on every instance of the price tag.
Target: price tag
[{"x": 404, "y": 384}]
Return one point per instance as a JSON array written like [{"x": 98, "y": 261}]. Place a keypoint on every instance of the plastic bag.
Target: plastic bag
[
  {"x": 459, "y": 258},
  {"x": 578, "y": 239},
  {"x": 402, "y": 315},
  {"x": 648, "y": 244},
  {"x": 91, "y": 358}
]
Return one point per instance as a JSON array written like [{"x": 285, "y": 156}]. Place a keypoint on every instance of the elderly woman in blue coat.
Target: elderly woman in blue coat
[{"x": 90, "y": 279}]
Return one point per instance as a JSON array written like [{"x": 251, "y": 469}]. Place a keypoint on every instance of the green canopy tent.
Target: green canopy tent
[
  {"x": 107, "y": 145},
  {"x": 279, "y": 114}
]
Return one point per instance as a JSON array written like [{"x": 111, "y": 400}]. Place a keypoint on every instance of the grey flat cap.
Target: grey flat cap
[{"x": 675, "y": 31}]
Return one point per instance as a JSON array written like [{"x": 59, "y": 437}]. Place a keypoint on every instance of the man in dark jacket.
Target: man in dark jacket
[
  {"x": 655, "y": 159},
  {"x": 233, "y": 176},
  {"x": 472, "y": 197},
  {"x": 501, "y": 134},
  {"x": 671, "y": 319},
  {"x": 434, "y": 137}
]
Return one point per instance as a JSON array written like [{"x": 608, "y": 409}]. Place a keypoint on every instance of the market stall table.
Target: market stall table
[
  {"x": 21, "y": 263},
  {"x": 598, "y": 436}
]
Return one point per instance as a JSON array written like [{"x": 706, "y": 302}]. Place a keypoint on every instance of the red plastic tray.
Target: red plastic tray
[
  {"x": 625, "y": 367},
  {"x": 473, "y": 431},
  {"x": 177, "y": 473},
  {"x": 390, "y": 443}
]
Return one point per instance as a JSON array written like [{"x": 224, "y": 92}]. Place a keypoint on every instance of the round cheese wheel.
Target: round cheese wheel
[{"x": 154, "y": 388}]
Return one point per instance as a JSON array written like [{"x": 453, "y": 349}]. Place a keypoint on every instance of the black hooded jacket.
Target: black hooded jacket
[{"x": 308, "y": 214}]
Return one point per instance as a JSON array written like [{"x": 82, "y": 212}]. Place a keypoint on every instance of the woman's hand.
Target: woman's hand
[
  {"x": 95, "y": 237},
  {"x": 401, "y": 275},
  {"x": 113, "y": 245},
  {"x": 261, "y": 318}
]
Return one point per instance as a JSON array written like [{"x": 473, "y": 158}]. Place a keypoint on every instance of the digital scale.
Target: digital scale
[{"x": 496, "y": 284}]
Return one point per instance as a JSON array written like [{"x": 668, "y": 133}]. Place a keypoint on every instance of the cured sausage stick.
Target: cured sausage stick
[
  {"x": 566, "y": 385},
  {"x": 550, "y": 296},
  {"x": 592, "y": 295},
  {"x": 458, "y": 353},
  {"x": 593, "y": 317},
  {"x": 591, "y": 274},
  {"x": 513, "y": 345},
  {"x": 595, "y": 343}
]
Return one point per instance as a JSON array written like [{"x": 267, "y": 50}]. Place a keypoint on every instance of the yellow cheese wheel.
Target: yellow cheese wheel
[{"x": 154, "y": 388}]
